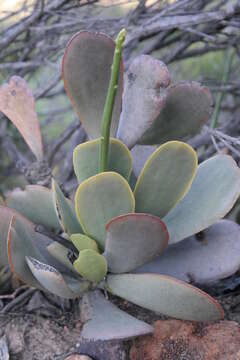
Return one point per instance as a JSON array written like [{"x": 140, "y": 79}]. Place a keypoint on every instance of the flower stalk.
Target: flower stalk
[{"x": 109, "y": 104}]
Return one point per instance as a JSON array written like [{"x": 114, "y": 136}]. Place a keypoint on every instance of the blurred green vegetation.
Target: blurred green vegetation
[{"x": 206, "y": 68}]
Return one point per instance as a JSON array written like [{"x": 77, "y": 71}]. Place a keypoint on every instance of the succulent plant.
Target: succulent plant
[
  {"x": 135, "y": 241},
  {"x": 5, "y": 280}
]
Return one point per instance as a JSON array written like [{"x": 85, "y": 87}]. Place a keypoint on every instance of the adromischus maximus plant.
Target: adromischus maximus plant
[{"x": 116, "y": 236}]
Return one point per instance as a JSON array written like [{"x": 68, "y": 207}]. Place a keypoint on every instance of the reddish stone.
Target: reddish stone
[{"x": 183, "y": 340}]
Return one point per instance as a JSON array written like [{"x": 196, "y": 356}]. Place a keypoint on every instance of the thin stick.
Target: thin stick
[
  {"x": 227, "y": 68},
  {"x": 108, "y": 108}
]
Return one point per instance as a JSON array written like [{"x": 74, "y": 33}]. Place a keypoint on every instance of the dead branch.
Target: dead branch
[{"x": 33, "y": 47}]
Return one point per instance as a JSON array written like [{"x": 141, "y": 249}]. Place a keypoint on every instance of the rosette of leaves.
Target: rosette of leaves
[{"x": 134, "y": 238}]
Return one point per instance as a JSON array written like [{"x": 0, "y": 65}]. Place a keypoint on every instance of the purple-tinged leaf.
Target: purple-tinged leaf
[
  {"x": 86, "y": 72},
  {"x": 187, "y": 108},
  {"x": 134, "y": 239},
  {"x": 144, "y": 96}
]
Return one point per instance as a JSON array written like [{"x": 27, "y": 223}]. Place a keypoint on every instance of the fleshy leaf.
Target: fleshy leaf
[
  {"x": 60, "y": 252},
  {"x": 201, "y": 260},
  {"x": 91, "y": 265},
  {"x": 104, "y": 321},
  {"x": 21, "y": 243},
  {"x": 86, "y": 159},
  {"x": 165, "y": 178},
  {"x": 134, "y": 239},
  {"x": 82, "y": 242},
  {"x": 35, "y": 203},
  {"x": 17, "y": 103},
  {"x": 186, "y": 110},
  {"x": 65, "y": 211},
  {"x": 143, "y": 98},
  {"x": 6, "y": 215},
  {"x": 99, "y": 199},
  {"x": 86, "y": 72},
  {"x": 52, "y": 280},
  {"x": 213, "y": 193},
  {"x": 166, "y": 295}
]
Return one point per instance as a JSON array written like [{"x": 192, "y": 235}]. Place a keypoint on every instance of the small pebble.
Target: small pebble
[{"x": 78, "y": 357}]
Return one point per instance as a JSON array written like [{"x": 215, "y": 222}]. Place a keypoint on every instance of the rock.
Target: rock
[
  {"x": 4, "y": 354},
  {"x": 183, "y": 340},
  {"x": 78, "y": 357},
  {"x": 15, "y": 341},
  {"x": 102, "y": 350}
]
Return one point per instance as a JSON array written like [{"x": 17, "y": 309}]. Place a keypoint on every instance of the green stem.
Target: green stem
[
  {"x": 220, "y": 96},
  {"x": 108, "y": 108}
]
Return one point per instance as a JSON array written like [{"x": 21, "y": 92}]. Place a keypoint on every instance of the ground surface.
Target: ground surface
[{"x": 41, "y": 327}]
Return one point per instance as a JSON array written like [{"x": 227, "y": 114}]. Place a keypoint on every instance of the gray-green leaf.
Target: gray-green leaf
[
  {"x": 166, "y": 295},
  {"x": 214, "y": 191},
  {"x": 99, "y": 199},
  {"x": 35, "y": 203},
  {"x": 202, "y": 260},
  {"x": 104, "y": 321},
  {"x": 52, "y": 280},
  {"x": 86, "y": 159},
  {"x": 165, "y": 178},
  {"x": 65, "y": 211}
]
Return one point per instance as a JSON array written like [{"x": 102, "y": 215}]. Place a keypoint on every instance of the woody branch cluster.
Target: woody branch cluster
[{"x": 177, "y": 30}]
